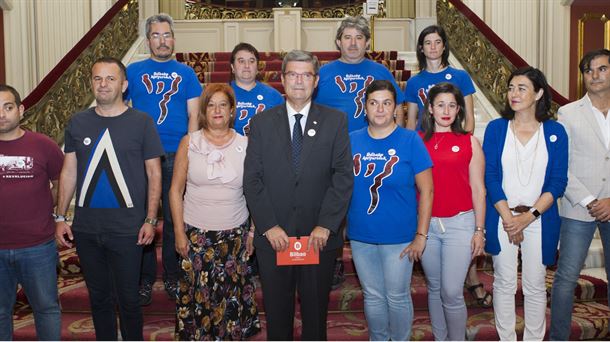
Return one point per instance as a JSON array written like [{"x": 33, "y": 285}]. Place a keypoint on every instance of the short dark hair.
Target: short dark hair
[
  {"x": 585, "y": 62},
  {"x": 112, "y": 60},
  {"x": 421, "y": 58},
  {"x": 378, "y": 85},
  {"x": 8, "y": 88},
  {"x": 209, "y": 91},
  {"x": 428, "y": 120},
  {"x": 543, "y": 105},
  {"x": 244, "y": 47}
]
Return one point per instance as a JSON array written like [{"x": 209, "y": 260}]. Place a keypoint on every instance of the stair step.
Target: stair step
[
  {"x": 269, "y": 56},
  {"x": 272, "y": 76},
  {"x": 273, "y": 65}
]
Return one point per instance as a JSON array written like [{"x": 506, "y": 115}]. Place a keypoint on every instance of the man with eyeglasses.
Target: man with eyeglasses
[
  {"x": 298, "y": 182},
  {"x": 169, "y": 92}
]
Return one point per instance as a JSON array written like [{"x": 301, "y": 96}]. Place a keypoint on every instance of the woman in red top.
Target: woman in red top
[{"x": 456, "y": 233}]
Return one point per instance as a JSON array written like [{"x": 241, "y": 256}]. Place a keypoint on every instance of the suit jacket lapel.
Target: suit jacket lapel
[
  {"x": 283, "y": 131},
  {"x": 313, "y": 122},
  {"x": 592, "y": 121}
]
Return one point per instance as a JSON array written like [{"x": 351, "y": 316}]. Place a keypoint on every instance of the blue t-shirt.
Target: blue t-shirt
[
  {"x": 342, "y": 87},
  {"x": 250, "y": 102},
  {"x": 383, "y": 208},
  {"x": 419, "y": 85},
  {"x": 162, "y": 90}
]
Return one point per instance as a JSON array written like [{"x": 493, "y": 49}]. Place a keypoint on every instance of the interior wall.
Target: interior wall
[
  {"x": 38, "y": 34},
  {"x": 536, "y": 30}
]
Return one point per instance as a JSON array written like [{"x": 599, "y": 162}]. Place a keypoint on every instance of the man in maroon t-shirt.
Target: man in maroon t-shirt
[{"x": 29, "y": 163}]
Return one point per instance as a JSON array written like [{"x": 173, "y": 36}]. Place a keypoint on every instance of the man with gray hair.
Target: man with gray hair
[
  {"x": 169, "y": 92},
  {"x": 298, "y": 182},
  {"x": 343, "y": 83}
]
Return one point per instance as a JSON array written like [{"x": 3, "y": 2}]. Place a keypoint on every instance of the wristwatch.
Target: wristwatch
[
  {"x": 59, "y": 218},
  {"x": 534, "y": 212},
  {"x": 151, "y": 220}
]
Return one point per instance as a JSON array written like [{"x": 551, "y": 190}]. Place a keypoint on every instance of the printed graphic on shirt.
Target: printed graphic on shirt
[
  {"x": 349, "y": 83},
  {"x": 156, "y": 83},
  {"x": 104, "y": 185},
  {"x": 422, "y": 94},
  {"x": 18, "y": 167},
  {"x": 377, "y": 180},
  {"x": 244, "y": 108}
]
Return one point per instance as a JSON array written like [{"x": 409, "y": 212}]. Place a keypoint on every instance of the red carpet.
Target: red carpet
[{"x": 215, "y": 67}]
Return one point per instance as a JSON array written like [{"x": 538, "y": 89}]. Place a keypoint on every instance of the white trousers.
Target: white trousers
[{"x": 533, "y": 273}]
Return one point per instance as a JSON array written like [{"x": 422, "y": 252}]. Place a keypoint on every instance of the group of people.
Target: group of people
[{"x": 241, "y": 171}]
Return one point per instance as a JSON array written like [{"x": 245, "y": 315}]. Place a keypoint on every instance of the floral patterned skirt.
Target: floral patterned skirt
[{"x": 216, "y": 293}]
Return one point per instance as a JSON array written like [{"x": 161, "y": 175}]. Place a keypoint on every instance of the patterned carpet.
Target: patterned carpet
[{"x": 346, "y": 318}]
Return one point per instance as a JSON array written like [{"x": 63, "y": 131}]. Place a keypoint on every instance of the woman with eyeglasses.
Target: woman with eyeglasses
[
  {"x": 211, "y": 223},
  {"x": 456, "y": 233},
  {"x": 387, "y": 226},
  {"x": 526, "y": 172}
]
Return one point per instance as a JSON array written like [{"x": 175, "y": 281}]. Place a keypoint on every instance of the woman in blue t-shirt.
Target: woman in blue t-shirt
[
  {"x": 385, "y": 223},
  {"x": 433, "y": 59}
]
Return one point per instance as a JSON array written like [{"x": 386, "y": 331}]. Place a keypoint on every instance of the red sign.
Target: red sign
[{"x": 297, "y": 254}]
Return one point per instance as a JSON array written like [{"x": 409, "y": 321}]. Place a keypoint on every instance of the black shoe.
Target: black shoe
[
  {"x": 145, "y": 294},
  {"x": 171, "y": 287},
  {"x": 338, "y": 274}
]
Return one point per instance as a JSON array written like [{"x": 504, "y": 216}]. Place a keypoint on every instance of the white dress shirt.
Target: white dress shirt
[{"x": 292, "y": 119}]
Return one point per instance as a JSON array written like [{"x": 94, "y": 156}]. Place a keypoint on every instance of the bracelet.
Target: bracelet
[
  {"x": 59, "y": 218},
  {"x": 479, "y": 229},
  {"x": 422, "y": 234}
]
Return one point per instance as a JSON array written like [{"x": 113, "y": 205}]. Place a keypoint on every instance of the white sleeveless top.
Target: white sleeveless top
[{"x": 523, "y": 168}]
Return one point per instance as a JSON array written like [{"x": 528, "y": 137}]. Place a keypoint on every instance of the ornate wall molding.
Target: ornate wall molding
[
  {"x": 72, "y": 91},
  {"x": 488, "y": 67},
  {"x": 203, "y": 11}
]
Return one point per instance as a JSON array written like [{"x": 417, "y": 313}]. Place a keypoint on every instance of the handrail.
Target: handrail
[
  {"x": 66, "y": 88},
  {"x": 486, "y": 57}
]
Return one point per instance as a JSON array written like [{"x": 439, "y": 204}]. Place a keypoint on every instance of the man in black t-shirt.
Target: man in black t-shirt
[{"x": 112, "y": 161}]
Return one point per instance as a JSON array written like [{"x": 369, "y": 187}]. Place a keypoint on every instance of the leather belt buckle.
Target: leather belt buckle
[{"x": 521, "y": 209}]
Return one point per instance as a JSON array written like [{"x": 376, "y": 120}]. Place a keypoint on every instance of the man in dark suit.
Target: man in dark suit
[{"x": 298, "y": 182}]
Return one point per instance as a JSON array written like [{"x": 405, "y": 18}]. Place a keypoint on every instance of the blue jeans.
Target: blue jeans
[
  {"x": 169, "y": 255},
  {"x": 111, "y": 266},
  {"x": 445, "y": 261},
  {"x": 386, "y": 285},
  {"x": 575, "y": 240},
  {"x": 35, "y": 268}
]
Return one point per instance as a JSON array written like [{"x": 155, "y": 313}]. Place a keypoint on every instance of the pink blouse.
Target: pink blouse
[{"x": 214, "y": 197}]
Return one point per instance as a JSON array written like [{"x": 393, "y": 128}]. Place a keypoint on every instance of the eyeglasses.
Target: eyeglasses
[
  {"x": 292, "y": 76},
  {"x": 157, "y": 36}
]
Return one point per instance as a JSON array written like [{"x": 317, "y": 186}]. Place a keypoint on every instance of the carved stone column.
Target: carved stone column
[
  {"x": 400, "y": 8},
  {"x": 287, "y": 28}
]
